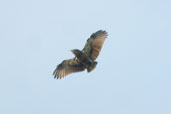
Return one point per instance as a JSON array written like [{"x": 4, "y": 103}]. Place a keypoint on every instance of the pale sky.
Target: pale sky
[{"x": 133, "y": 75}]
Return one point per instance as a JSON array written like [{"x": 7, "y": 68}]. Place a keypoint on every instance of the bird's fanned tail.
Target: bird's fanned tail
[{"x": 92, "y": 67}]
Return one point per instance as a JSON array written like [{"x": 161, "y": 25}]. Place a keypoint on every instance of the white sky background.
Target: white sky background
[{"x": 133, "y": 74}]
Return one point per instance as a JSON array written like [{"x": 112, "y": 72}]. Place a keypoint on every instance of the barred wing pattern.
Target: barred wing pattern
[
  {"x": 94, "y": 44},
  {"x": 67, "y": 67}
]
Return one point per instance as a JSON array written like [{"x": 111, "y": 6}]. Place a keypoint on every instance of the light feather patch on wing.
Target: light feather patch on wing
[
  {"x": 67, "y": 67},
  {"x": 95, "y": 43}
]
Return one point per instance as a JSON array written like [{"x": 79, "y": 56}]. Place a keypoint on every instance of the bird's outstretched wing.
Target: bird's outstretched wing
[
  {"x": 94, "y": 44},
  {"x": 67, "y": 67}
]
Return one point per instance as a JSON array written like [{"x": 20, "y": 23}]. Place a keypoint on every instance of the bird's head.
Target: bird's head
[{"x": 75, "y": 51}]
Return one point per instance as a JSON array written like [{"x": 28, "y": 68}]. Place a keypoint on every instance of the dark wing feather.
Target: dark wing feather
[
  {"x": 94, "y": 44},
  {"x": 67, "y": 67}
]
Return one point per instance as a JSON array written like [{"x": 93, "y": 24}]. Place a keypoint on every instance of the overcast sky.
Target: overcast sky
[{"x": 133, "y": 75}]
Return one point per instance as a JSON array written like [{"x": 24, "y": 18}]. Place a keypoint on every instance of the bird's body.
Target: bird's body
[{"x": 84, "y": 59}]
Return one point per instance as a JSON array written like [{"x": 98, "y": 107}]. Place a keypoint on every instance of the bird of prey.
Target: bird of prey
[{"x": 85, "y": 58}]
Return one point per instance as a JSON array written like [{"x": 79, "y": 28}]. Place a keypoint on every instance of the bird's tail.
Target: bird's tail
[{"x": 92, "y": 67}]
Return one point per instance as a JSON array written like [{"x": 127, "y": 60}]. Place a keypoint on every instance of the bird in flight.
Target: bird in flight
[{"x": 85, "y": 58}]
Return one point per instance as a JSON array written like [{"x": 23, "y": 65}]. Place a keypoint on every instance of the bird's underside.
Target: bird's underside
[{"x": 84, "y": 59}]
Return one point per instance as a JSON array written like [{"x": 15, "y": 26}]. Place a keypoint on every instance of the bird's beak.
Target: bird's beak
[{"x": 73, "y": 52}]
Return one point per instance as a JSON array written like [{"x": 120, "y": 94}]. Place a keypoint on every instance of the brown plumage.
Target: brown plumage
[{"x": 84, "y": 59}]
